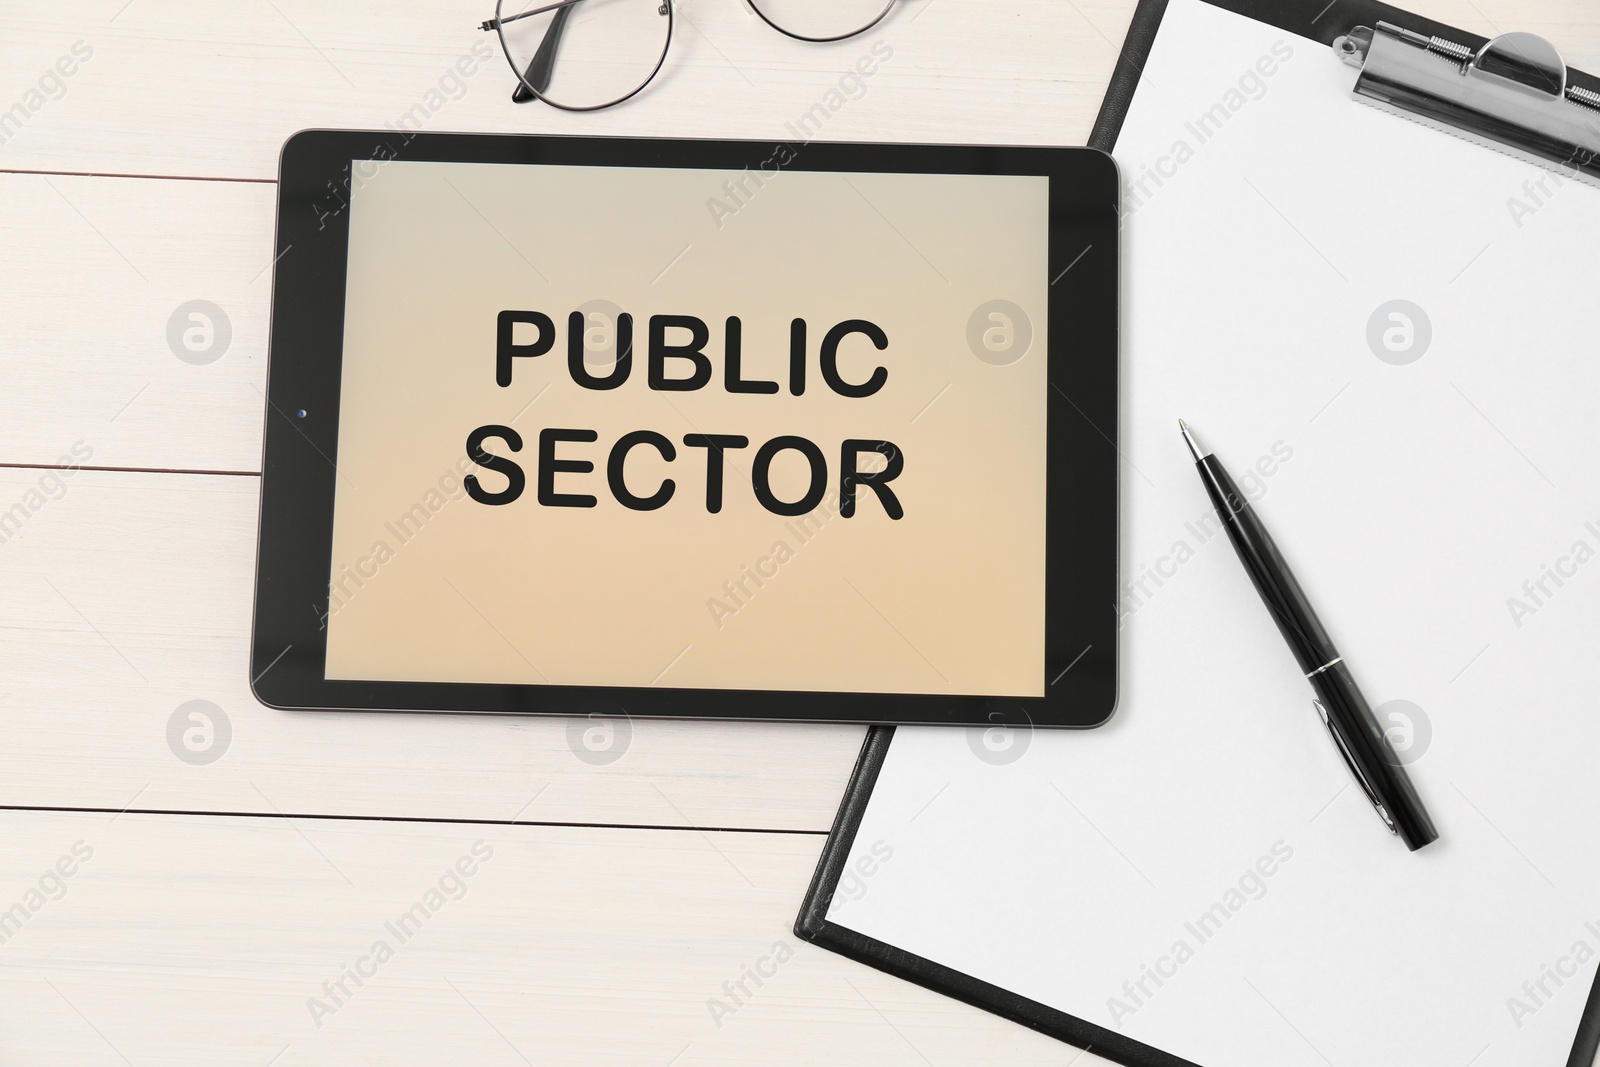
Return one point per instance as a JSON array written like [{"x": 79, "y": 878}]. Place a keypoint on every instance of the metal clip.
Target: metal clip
[
  {"x": 1355, "y": 771},
  {"x": 1513, "y": 93}
]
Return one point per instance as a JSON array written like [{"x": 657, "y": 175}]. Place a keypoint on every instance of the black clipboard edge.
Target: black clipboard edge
[
  {"x": 813, "y": 919},
  {"x": 812, "y": 925},
  {"x": 1125, "y": 75},
  {"x": 1586, "y": 1046}
]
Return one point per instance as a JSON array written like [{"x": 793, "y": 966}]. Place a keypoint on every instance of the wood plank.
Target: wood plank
[
  {"x": 126, "y": 595},
  {"x": 94, "y": 270},
  {"x": 184, "y": 939},
  {"x": 169, "y": 93}
]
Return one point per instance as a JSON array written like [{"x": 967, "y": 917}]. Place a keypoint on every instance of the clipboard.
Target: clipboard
[{"x": 1560, "y": 133}]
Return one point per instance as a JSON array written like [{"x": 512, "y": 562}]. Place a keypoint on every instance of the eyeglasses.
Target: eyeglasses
[{"x": 584, "y": 55}]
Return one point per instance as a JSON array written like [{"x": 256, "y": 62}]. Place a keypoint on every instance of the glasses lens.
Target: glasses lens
[
  {"x": 822, "y": 20},
  {"x": 588, "y": 54}
]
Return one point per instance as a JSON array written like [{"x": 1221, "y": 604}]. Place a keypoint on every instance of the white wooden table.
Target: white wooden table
[{"x": 227, "y": 913}]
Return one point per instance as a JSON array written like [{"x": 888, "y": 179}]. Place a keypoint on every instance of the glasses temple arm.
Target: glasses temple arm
[
  {"x": 540, "y": 71},
  {"x": 536, "y": 79},
  {"x": 494, "y": 24}
]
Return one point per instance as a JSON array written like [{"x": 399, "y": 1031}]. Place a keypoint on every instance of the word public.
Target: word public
[{"x": 676, "y": 361}]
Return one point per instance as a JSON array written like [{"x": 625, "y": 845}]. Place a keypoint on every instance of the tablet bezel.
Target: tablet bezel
[{"x": 295, "y": 543}]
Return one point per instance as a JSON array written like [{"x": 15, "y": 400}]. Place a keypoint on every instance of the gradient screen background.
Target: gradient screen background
[{"x": 430, "y": 585}]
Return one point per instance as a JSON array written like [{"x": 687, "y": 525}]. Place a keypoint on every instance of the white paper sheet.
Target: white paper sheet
[{"x": 1442, "y": 511}]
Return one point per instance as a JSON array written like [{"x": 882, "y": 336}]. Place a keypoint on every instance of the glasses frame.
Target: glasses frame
[{"x": 527, "y": 89}]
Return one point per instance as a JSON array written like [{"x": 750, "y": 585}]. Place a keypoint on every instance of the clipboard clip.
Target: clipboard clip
[{"x": 1512, "y": 93}]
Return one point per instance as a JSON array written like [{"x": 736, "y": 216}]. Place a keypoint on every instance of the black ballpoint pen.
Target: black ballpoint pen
[{"x": 1345, "y": 712}]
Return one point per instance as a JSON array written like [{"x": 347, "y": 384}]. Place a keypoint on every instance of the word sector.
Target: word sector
[{"x": 676, "y": 361}]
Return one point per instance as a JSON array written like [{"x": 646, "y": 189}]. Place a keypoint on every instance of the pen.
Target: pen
[{"x": 1339, "y": 703}]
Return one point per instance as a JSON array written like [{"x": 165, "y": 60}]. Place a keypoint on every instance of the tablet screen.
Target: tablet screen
[{"x": 765, "y": 429}]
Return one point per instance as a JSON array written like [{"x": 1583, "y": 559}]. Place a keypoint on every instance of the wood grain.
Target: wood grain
[
  {"x": 170, "y": 92},
  {"x": 93, "y": 270},
  {"x": 189, "y": 940}
]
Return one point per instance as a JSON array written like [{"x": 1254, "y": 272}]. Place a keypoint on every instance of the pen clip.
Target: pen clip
[{"x": 1355, "y": 771}]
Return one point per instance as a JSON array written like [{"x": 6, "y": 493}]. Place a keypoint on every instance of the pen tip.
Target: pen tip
[{"x": 1189, "y": 439}]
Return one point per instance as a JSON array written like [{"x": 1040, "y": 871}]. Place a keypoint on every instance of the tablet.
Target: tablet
[{"x": 729, "y": 429}]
